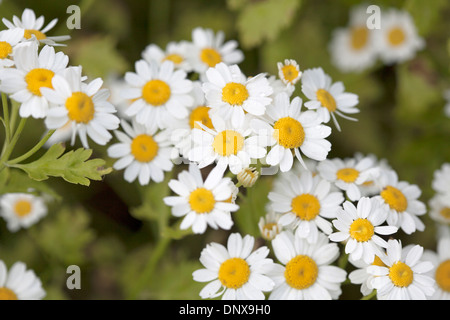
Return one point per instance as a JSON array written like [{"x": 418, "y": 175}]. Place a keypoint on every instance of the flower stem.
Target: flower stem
[
  {"x": 34, "y": 149},
  {"x": 370, "y": 296},
  {"x": 9, "y": 149}
]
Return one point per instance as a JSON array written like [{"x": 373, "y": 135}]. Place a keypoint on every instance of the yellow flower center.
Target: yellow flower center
[
  {"x": 361, "y": 230},
  {"x": 443, "y": 275},
  {"x": 200, "y": 114},
  {"x": 234, "y": 93},
  {"x": 394, "y": 198},
  {"x": 306, "y": 206},
  {"x": 5, "y": 49},
  {"x": 7, "y": 294},
  {"x": 81, "y": 107},
  {"x": 289, "y": 133},
  {"x": 234, "y": 273},
  {"x": 38, "y": 34},
  {"x": 326, "y": 99},
  {"x": 401, "y": 274},
  {"x": 144, "y": 148},
  {"x": 156, "y": 92},
  {"x": 301, "y": 272},
  {"x": 175, "y": 58},
  {"x": 445, "y": 212},
  {"x": 359, "y": 37},
  {"x": 22, "y": 208},
  {"x": 396, "y": 36},
  {"x": 210, "y": 57},
  {"x": 38, "y": 78},
  {"x": 290, "y": 72},
  {"x": 202, "y": 200},
  {"x": 228, "y": 142},
  {"x": 348, "y": 175},
  {"x": 378, "y": 262}
]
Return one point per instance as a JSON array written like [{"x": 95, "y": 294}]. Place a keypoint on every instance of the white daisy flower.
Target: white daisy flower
[
  {"x": 8, "y": 40},
  {"x": 290, "y": 131},
  {"x": 231, "y": 94},
  {"x": 397, "y": 40},
  {"x": 248, "y": 177},
  {"x": 32, "y": 28},
  {"x": 209, "y": 49},
  {"x": 269, "y": 224},
  {"x": 289, "y": 72},
  {"x": 400, "y": 199},
  {"x": 19, "y": 283},
  {"x": 21, "y": 210},
  {"x": 404, "y": 276},
  {"x": 439, "y": 208},
  {"x": 235, "y": 272},
  {"x": 353, "y": 48},
  {"x": 177, "y": 52},
  {"x": 160, "y": 93},
  {"x": 306, "y": 202},
  {"x": 360, "y": 276},
  {"x": 85, "y": 106},
  {"x": 143, "y": 152},
  {"x": 202, "y": 203},
  {"x": 231, "y": 146},
  {"x": 306, "y": 273},
  {"x": 360, "y": 227},
  {"x": 441, "y": 270},
  {"x": 326, "y": 97},
  {"x": 32, "y": 72},
  {"x": 441, "y": 179},
  {"x": 349, "y": 174}
]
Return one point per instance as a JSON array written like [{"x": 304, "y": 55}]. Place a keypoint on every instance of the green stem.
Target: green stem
[
  {"x": 9, "y": 149},
  {"x": 370, "y": 296},
  {"x": 6, "y": 117},
  {"x": 14, "y": 113},
  {"x": 34, "y": 149}
]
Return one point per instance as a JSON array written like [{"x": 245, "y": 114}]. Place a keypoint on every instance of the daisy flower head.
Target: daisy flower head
[
  {"x": 33, "y": 71},
  {"x": 305, "y": 203},
  {"x": 326, "y": 97},
  {"x": 144, "y": 152},
  {"x": 397, "y": 40},
  {"x": 160, "y": 93},
  {"x": 248, "y": 177},
  {"x": 236, "y": 272},
  {"x": 306, "y": 272},
  {"x": 84, "y": 105},
  {"x": 349, "y": 174},
  {"x": 439, "y": 208},
  {"x": 441, "y": 270},
  {"x": 269, "y": 224},
  {"x": 209, "y": 48},
  {"x": 290, "y": 131},
  {"x": 229, "y": 145},
  {"x": 231, "y": 94},
  {"x": 8, "y": 40},
  {"x": 177, "y": 52},
  {"x": 401, "y": 200},
  {"x": 360, "y": 227},
  {"x": 360, "y": 276},
  {"x": 441, "y": 179},
  {"x": 404, "y": 276},
  {"x": 21, "y": 210},
  {"x": 19, "y": 283},
  {"x": 289, "y": 71},
  {"x": 32, "y": 28},
  {"x": 202, "y": 203},
  {"x": 353, "y": 48}
]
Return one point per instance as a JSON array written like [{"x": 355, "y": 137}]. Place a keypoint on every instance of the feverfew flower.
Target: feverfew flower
[
  {"x": 326, "y": 97},
  {"x": 31, "y": 28},
  {"x": 439, "y": 208},
  {"x": 8, "y": 40},
  {"x": 269, "y": 224},
  {"x": 441, "y": 179},
  {"x": 289, "y": 72},
  {"x": 143, "y": 152},
  {"x": 235, "y": 271},
  {"x": 289, "y": 131},
  {"x": 177, "y": 52},
  {"x": 160, "y": 93},
  {"x": 404, "y": 276},
  {"x": 85, "y": 106},
  {"x": 397, "y": 40},
  {"x": 441, "y": 271},
  {"x": 202, "y": 203},
  {"x": 32, "y": 72},
  {"x": 359, "y": 227},
  {"x": 306, "y": 272},
  {"x": 19, "y": 283},
  {"x": 21, "y": 210},
  {"x": 361, "y": 276},
  {"x": 230, "y": 94}
]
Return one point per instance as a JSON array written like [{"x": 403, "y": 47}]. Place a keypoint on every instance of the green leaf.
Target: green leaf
[{"x": 73, "y": 166}]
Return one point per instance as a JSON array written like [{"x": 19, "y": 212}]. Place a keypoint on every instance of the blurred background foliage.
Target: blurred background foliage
[{"x": 110, "y": 228}]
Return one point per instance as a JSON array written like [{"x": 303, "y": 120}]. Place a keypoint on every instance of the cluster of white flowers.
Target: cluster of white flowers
[{"x": 355, "y": 47}]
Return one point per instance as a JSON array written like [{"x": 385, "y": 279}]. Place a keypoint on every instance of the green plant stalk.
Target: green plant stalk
[
  {"x": 10, "y": 147},
  {"x": 370, "y": 296},
  {"x": 6, "y": 118},
  {"x": 36, "y": 148}
]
